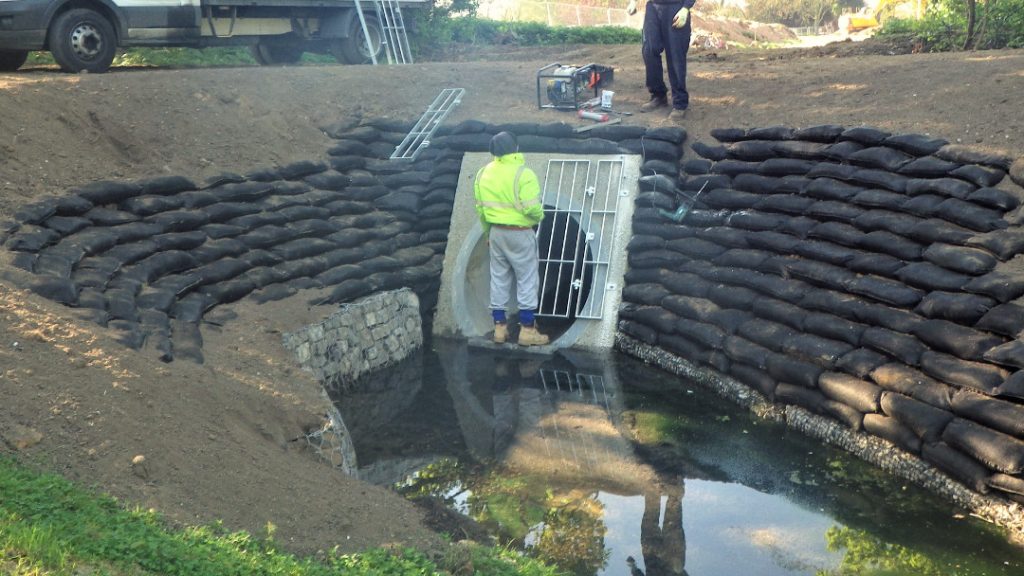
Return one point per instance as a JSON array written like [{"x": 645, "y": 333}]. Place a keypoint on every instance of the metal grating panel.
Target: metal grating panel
[
  {"x": 581, "y": 199},
  {"x": 419, "y": 136}
]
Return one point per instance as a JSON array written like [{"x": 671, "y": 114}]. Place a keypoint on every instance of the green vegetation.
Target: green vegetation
[
  {"x": 799, "y": 12},
  {"x": 866, "y": 555},
  {"x": 50, "y": 527},
  {"x": 958, "y": 24}
]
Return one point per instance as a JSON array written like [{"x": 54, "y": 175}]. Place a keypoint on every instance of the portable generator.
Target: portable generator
[{"x": 567, "y": 87}]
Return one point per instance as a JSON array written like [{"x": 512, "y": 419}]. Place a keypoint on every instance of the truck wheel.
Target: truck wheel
[
  {"x": 11, "y": 60},
  {"x": 82, "y": 39},
  {"x": 353, "y": 50},
  {"x": 277, "y": 52}
]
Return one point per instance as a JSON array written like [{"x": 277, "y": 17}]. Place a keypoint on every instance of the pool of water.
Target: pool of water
[{"x": 606, "y": 466}]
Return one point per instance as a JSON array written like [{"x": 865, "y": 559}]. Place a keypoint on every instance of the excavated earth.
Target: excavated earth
[{"x": 224, "y": 440}]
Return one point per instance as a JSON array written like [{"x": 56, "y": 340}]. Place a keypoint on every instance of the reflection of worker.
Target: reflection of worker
[
  {"x": 508, "y": 201},
  {"x": 662, "y": 539},
  {"x": 666, "y": 29}
]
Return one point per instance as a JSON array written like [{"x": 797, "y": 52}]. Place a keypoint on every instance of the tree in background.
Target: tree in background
[
  {"x": 957, "y": 24},
  {"x": 799, "y": 12}
]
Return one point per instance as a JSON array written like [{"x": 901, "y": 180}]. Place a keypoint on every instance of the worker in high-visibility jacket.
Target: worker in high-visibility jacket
[{"x": 509, "y": 203}]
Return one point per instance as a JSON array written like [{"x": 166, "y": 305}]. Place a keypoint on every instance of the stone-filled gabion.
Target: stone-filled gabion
[{"x": 867, "y": 277}]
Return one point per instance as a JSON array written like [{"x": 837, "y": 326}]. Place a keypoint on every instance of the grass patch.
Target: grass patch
[{"x": 50, "y": 527}]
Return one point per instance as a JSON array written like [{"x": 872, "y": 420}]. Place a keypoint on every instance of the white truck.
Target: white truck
[{"x": 84, "y": 35}]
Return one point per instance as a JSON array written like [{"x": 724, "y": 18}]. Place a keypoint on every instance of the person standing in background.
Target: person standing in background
[{"x": 666, "y": 29}]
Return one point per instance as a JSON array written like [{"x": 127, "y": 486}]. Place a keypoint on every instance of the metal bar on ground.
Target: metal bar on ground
[{"x": 419, "y": 137}]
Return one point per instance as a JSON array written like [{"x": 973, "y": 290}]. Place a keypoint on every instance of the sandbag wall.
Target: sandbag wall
[
  {"x": 150, "y": 258},
  {"x": 867, "y": 277}
]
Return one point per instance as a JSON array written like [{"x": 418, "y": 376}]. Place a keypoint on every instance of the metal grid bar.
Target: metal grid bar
[
  {"x": 389, "y": 14},
  {"x": 419, "y": 137},
  {"x": 575, "y": 191}
]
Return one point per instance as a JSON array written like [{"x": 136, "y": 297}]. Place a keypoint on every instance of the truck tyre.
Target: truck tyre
[
  {"x": 11, "y": 60},
  {"x": 352, "y": 49},
  {"x": 277, "y": 52},
  {"x": 82, "y": 39}
]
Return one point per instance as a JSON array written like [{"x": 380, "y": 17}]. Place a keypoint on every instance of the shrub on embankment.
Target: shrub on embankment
[{"x": 955, "y": 25}]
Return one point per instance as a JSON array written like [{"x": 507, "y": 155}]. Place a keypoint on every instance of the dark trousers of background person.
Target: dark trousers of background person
[{"x": 659, "y": 36}]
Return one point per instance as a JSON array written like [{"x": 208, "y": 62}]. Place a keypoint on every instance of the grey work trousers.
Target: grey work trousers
[{"x": 514, "y": 252}]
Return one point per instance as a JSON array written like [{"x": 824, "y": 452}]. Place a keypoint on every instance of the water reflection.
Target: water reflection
[{"x": 606, "y": 466}]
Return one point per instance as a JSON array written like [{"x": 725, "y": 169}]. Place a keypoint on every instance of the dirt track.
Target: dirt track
[{"x": 217, "y": 437}]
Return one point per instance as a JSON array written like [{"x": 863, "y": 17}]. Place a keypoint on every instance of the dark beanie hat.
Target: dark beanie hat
[{"x": 504, "y": 143}]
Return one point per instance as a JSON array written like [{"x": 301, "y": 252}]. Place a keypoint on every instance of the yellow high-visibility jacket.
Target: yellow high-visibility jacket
[{"x": 508, "y": 193}]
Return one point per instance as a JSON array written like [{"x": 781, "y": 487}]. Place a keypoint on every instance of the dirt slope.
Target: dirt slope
[{"x": 218, "y": 439}]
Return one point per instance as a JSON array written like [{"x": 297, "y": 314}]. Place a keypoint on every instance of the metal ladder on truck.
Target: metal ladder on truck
[{"x": 395, "y": 40}]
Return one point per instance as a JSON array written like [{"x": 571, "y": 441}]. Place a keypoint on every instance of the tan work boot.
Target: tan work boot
[
  {"x": 530, "y": 336},
  {"x": 654, "y": 103},
  {"x": 677, "y": 115},
  {"x": 500, "y": 332}
]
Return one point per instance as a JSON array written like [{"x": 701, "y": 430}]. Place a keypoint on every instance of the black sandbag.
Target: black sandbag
[
  {"x": 646, "y": 294},
  {"x": 786, "y": 289},
  {"x": 878, "y": 219},
  {"x": 959, "y": 466},
  {"x": 742, "y": 258},
  {"x": 656, "y": 317},
  {"x": 928, "y": 167},
  {"x": 65, "y": 225},
  {"x": 779, "y": 167},
  {"x": 879, "y": 179},
  {"x": 1003, "y": 285},
  {"x": 833, "y": 210},
  {"x": 32, "y": 239},
  {"x": 742, "y": 350},
  {"x": 971, "y": 215},
  {"x": 779, "y": 312},
  {"x": 960, "y": 341},
  {"x": 1012, "y": 486},
  {"x": 678, "y": 345},
  {"x": 860, "y": 362},
  {"x": 924, "y": 420},
  {"x": 263, "y": 276},
  {"x": 773, "y": 241},
  {"x": 1005, "y": 244},
  {"x": 198, "y": 198},
  {"x": 983, "y": 377},
  {"x": 847, "y": 415},
  {"x": 937, "y": 230},
  {"x": 648, "y": 148},
  {"x": 914, "y": 383},
  {"x": 71, "y": 205},
  {"x": 824, "y": 252},
  {"x": 813, "y": 400},
  {"x": 751, "y": 150},
  {"x": 55, "y": 265},
  {"x": 994, "y": 449},
  {"x": 862, "y": 395},
  {"x": 818, "y": 273},
  {"x": 60, "y": 290},
  {"x": 969, "y": 155},
  {"x": 728, "y": 134},
  {"x": 924, "y": 206},
  {"x": 729, "y": 320},
  {"x": 917, "y": 144},
  {"x": 160, "y": 264},
  {"x": 266, "y": 236},
  {"x": 819, "y": 133},
  {"x": 904, "y": 348},
  {"x": 179, "y": 240},
  {"x": 830, "y": 189},
  {"x": 958, "y": 307},
  {"x": 725, "y": 237},
  {"x": 345, "y": 164},
  {"x": 844, "y": 305},
  {"x": 882, "y": 199},
  {"x": 815, "y": 349},
  {"x": 673, "y": 134},
  {"x": 650, "y": 200},
  {"x": 700, "y": 218},
  {"x": 1009, "y": 354},
  {"x": 885, "y": 290},
  {"x": 713, "y": 153},
  {"x": 880, "y": 157},
  {"x": 890, "y": 429},
  {"x": 841, "y": 151},
  {"x": 731, "y": 296},
  {"x": 833, "y": 327},
  {"x": 980, "y": 175},
  {"x": 180, "y": 220},
  {"x": 754, "y": 378},
  {"x": 707, "y": 335},
  {"x": 973, "y": 261},
  {"x": 724, "y": 198},
  {"x": 216, "y": 231},
  {"x": 892, "y": 244},
  {"x": 685, "y": 284},
  {"x": 25, "y": 261},
  {"x": 302, "y": 248},
  {"x": 995, "y": 413},
  {"x": 121, "y": 305},
  {"x": 837, "y": 232},
  {"x": 689, "y": 307},
  {"x": 866, "y": 135},
  {"x": 666, "y": 230},
  {"x": 841, "y": 172},
  {"x": 754, "y": 220},
  {"x": 877, "y": 264},
  {"x": 994, "y": 198},
  {"x": 784, "y": 203},
  {"x": 1012, "y": 387},
  {"x": 656, "y": 259},
  {"x": 951, "y": 187},
  {"x": 771, "y": 335},
  {"x": 224, "y": 211},
  {"x": 229, "y": 290},
  {"x": 695, "y": 248},
  {"x": 800, "y": 150},
  {"x": 216, "y": 249},
  {"x": 220, "y": 270},
  {"x": 639, "y": 331},
  {"x": 1006, "y": 319},
  {"x": 732, "y": 168},
  {"x": 296, "y": 213},
  {"x": 931, "y": 277},
  {"x": 657, "y": 183}
]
